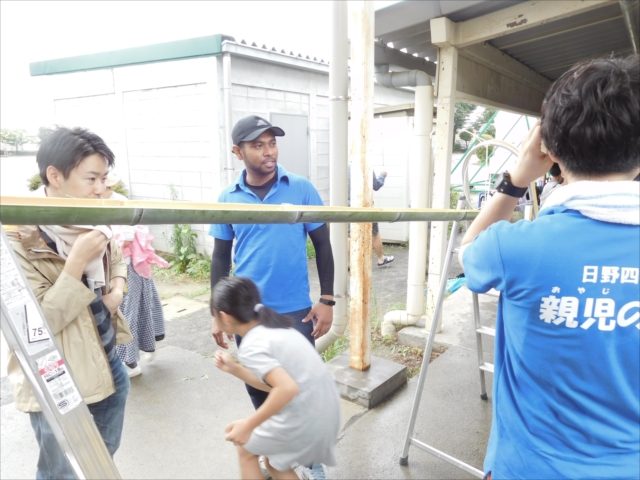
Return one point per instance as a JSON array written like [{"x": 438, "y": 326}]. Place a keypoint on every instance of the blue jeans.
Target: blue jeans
[
  {"x": 259, "y": 396},
  {"x": 108, "y": 414}
]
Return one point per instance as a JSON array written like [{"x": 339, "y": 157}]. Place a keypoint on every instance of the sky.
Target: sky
[{"x": 32, "y": 31}]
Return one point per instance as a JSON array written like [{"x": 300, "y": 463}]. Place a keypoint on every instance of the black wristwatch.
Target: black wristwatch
[
  {"x": 331, "y": 303},
  {"x": 505, "y": 186}
]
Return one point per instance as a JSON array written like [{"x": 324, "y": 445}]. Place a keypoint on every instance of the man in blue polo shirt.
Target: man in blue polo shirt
[
  {"x": 273, "y": 255},
  {"x": 566, "y": 391}
]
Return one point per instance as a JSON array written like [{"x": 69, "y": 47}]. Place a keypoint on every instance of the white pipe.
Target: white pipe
[
  {"x": 226, "y": 89},
  {"x": 421, "y": 178},
  {"x": 409, "y": 78},
  {"x": 393, "y": 318},
  {"x": 338, "y": 158}
]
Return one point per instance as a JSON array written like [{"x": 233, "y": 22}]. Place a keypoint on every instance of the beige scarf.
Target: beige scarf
[{"x": 65, "y": 236}]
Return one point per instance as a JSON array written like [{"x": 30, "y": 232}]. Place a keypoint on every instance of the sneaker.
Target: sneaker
[
  {"x": 317, "y": 471},
  {"x": 265, "y": 473},
  {"x": 304, "y": 473},
  {"x": 148, "y": 356},
  {"x": 133, "y": 369}
]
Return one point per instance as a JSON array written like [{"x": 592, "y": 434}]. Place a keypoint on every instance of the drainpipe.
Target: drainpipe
[
  {"x": 338, "y": 144},
  {"x": 226, "y": 89},
  {"x": 421, "y": 178},
  {"x": 631, "y": 14}
]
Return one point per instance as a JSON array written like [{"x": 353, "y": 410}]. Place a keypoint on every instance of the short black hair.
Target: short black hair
[
  {"x": 64, "y": 148},
  {"x": 555, "y": 170},
  {"x": 591, "y": 117}
]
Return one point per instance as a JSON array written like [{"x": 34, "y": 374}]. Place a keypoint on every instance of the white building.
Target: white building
[{"x": 163, "y": 110}]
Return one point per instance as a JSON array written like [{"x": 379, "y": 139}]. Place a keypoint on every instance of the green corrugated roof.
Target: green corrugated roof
[{"x": 189, "y": 48}]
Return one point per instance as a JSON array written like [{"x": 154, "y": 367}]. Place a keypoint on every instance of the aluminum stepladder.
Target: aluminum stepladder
[
  {"x": 483, "y": 366},
  {"x": 29, "y": 337},
  {"x": 410, "y": 439}
]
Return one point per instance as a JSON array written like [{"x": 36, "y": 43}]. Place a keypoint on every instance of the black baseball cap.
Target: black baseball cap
[{"x": 250, "y": 128}]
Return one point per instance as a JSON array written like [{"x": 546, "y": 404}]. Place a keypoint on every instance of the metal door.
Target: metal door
[{"x": 293, "y": 148}]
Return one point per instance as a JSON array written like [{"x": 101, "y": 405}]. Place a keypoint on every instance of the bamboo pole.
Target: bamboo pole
[
  {"x": 361, "y": 33},
  {"x": 72, "y": 211}
]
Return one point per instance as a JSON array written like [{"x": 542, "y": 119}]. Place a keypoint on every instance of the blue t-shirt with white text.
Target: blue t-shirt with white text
[{"x": 566, "y": 399}]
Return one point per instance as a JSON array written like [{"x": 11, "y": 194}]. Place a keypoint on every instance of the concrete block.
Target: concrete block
[
  {"x": 275, "y": 95},
  {"x": 239, "y": 90},
  {"x": 371, "y": 387},
  {"x": 179, "y": 306},
  {"x": 191, "y": 179},
  {"x": 254, "y": 92},
  {"x": 276, "y": 105},
  {"x": 240, "y": 102},
  {"x": 323, "y": 148},
  {"x": 292, "y": 97},
  {"x": 293, "y": 107},
  {"x": 258, "y": 104}
]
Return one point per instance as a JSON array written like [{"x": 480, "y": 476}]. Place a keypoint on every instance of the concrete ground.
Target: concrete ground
[{"x": 179, "y": 406}]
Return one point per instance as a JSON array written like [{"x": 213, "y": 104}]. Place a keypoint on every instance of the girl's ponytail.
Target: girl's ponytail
[
  {"x": 240, "y": 298},
  {"x": 272, "y": 319}
]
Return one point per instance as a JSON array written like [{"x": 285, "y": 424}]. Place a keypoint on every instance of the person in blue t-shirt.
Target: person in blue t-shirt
[
  {"x": 274, "y": 256},
  {"x": 566, "y": 391}
]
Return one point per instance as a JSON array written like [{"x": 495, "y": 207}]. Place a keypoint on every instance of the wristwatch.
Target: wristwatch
[
  {"x": 505, "y": 186},
  {"x": 331, "y": 303}
]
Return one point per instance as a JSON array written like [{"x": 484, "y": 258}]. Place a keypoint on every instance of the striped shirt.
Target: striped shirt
[{"x": 100, "y": 312}]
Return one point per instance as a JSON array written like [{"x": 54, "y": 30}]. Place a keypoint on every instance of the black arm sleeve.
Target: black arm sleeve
[
  {"x": 324, "y": 258},
  {"x": 220, "y": 260}
]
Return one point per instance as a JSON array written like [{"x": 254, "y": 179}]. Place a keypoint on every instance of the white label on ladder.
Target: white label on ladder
[
  {"x": 56, "y": 377},
  {"x": 23, "y": 312},
  {"x": 13, "y": 291}
]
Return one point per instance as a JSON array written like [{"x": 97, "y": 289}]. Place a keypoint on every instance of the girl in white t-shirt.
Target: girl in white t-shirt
[{"x": 300, "y": 420}]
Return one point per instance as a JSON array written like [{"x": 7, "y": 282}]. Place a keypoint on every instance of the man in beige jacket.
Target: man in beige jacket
[{"x": 81, "y": 312}]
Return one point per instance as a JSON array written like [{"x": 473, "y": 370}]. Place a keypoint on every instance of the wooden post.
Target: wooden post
[
  {"x": 447, "y": 76},
  {"x": 361, "y": 31}
]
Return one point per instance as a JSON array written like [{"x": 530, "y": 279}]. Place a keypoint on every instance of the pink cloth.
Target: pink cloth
[{"x": 140, "y": 251}]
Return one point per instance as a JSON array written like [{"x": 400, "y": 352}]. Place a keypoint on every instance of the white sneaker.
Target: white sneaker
[
  {"x": 304, "y": 472},
  {"x": 148, "y": 356},
  {"x": 265, "y": 473},
  {"x": 133, "y": 372}
]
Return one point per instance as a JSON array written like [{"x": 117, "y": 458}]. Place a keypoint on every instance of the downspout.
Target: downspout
[
  {"x": 631, "y": 14},
  {"x": 421, "y": 178},
  {"x": 338, "y": 158},
  {"x": 226, "y": 89}
]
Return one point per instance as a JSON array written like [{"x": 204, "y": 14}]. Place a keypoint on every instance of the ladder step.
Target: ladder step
[
  {"x": 487, "y": 367},
  {"x": 487, "y": 331}
]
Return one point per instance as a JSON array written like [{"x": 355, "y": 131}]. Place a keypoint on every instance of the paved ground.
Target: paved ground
[{"x": 179, "y": 406}]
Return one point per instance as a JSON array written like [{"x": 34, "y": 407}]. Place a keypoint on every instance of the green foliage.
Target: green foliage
[
  {"x": 481, "y": 153},
  {"x": 184, "y": 257},
  {"x": 121, "y": 189},
  {"x": 311, "y": 251},
  {"x": 460, "y": 118},
  {"x": 34, "y": 182},
  {"x": 457, "y": 147},
  {"x": 466, "y": 137},
  {"x": 336, "y": 348},
  {"x": 15, "y": 138},
  {"x": 482, "y": 120}
]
